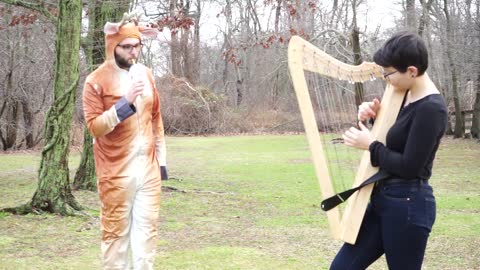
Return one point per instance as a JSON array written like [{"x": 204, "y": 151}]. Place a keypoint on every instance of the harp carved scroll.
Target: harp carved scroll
[{"x": 304, "y": 59}]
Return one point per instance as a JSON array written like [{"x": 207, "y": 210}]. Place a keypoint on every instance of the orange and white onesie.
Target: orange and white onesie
[{"x": 129, "y": 149}]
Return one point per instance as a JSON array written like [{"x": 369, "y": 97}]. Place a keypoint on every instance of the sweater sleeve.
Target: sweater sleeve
[{"x": 423, "y": 137}]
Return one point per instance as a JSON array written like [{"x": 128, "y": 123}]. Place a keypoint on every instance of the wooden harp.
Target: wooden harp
[{"x": 303, "y": 57}]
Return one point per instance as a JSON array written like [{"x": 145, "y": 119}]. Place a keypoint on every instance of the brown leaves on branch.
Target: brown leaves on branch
[
  {"x": 33, "y": 12},
  {"x": 175, "y": 23},
  {"x": 23, "y": 19},
  {"x": 231, "y": 53},
  {"x": 281, "y": 39},
  {"x": 292, "y": 6}
]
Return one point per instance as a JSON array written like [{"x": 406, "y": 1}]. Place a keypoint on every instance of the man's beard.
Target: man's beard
[{"x": 122, "y": 62}]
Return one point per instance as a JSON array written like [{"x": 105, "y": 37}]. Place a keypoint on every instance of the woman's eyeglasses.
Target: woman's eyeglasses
[{"x": 385, "y": 75}]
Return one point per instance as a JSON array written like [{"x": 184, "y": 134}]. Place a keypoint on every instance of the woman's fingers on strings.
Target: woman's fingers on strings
[
  {"x": 353, "y": 131},
  {"x": 362, "y": 117},
  {"x": 374, "y": 106},
  {"x": 346, "y": 140},
  {"x": 362, "y": 126},
  {"x": 366, "y": 111},
  {"x": 351, "y": 134}
]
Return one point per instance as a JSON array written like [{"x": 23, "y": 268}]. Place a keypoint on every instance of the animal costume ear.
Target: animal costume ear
[
  {"x": 148, "y": 31},
  {"x": 111, "y": 28}
]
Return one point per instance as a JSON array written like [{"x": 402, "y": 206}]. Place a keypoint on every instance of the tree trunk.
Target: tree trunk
[
  {"x": 85, "y": 178},
  {"x": 459, "y": 130},
  {"x": 99, "y": 13},
  {"x": 239, "y": 86},
  {"x": 275, "y": 91},
  {"x": 10, "y": 106},
  {"x": 226, "y": 45},
  {"x": 12, "y": 118},
  {"x": 196, "y": 46},
  {"x": 53, "y": 193},
  {"x": 174, "y": 46},
  {"x": 357, "y": 55},
  {"x": 475, "y": 130},
  {"x": 424, "y": 18},
  {"x": 27, "y": 119},
  {"x": 278, "y": 10},
  {"x": 411, "y": 16},
  {"x": 186, "y": 63}
]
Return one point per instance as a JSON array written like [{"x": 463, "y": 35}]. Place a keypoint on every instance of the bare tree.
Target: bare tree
[
  {"x": 53, "y": 193},
  {"x": 25, "y": 76},
  {"x": 357, "y": 53},
  {"x": 459, "y": 130},
  {"x": 425, "y": 17},
  {"x": 475, "y": 130},
  {"x": 411, "y": 15},
  {"x": 245, "y": 64}
]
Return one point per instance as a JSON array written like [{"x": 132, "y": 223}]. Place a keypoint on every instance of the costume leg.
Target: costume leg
[
  {"x": 145, "y": 223},
  {"x": 367, "y": 249},
  {"x": 116, "y": 196}
]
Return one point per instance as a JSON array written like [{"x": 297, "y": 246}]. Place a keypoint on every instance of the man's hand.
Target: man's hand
[
  {"x": 368, "y": 110},
  {"x": 135, "y": 90}
]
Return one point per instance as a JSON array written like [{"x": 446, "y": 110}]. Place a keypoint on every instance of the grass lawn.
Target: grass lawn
[{"x": 243, "y": 202}]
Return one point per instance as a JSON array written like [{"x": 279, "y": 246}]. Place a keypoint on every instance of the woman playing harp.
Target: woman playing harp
[{"x": 402, "y": 208}]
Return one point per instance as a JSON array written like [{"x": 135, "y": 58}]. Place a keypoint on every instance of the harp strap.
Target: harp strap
[{"x": 339, "y": 198}]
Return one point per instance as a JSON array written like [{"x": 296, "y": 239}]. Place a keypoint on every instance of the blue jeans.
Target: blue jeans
[{"x": 397, "y": 222}]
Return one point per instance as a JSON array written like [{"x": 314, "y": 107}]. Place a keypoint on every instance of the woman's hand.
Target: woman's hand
[
  {"x": 358, "y": 138},
  {"x": 368, "y": 110}
]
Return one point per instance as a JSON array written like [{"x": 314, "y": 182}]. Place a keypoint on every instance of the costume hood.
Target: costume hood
[{"x": 128, "y": 27}]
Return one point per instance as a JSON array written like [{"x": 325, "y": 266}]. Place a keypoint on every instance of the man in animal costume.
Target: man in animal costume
[{"x": 122, "y": 111}]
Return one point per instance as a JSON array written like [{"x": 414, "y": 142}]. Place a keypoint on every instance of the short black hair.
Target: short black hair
[{"x": 402, "y": 50}]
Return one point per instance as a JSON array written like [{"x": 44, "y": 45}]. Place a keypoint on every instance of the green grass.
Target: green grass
[{"x": 249, "y": 202}]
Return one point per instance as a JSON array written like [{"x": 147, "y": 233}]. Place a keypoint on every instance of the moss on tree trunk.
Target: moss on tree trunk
[{"x": 53, "y": 193}]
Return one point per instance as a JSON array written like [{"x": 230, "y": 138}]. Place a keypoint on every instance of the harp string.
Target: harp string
[
  {"x": 331, "y": 132},
  {"x": 335, "y": 111},
  {"x": 329, "y": 112},
  {"x": 321, "y": 84}
]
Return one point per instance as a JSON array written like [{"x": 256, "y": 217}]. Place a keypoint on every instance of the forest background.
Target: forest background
[{"x": 220, "y": 67}]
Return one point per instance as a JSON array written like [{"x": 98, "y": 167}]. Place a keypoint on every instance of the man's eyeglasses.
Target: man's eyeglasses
[
  {"x": 385, "y": 75},
  {"x": 129, "y": 47}
]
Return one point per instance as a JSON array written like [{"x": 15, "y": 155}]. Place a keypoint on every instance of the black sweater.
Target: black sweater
[{"x": 413, "y": 139}]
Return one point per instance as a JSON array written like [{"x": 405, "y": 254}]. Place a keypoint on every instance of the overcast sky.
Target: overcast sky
[
  {"x": 382, "y": 12},
  {"x": 373, "y": 13}
]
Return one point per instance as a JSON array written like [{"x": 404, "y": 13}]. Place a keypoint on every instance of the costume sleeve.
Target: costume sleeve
[
  {"x": 423, "y": 137},
  {"x": 101, "y": 121},
  {"x": 158, "y": 131}
]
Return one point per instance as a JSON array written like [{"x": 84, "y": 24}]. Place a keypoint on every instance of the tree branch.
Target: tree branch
[{"x": 40, "y": 7}]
